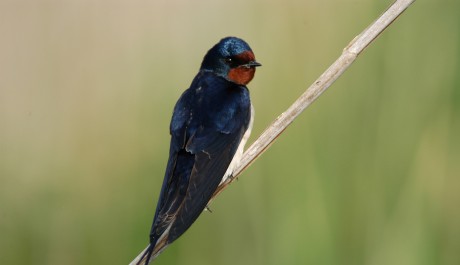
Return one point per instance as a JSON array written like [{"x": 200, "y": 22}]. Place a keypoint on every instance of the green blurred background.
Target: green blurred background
[{"x": 369, "y": 174}]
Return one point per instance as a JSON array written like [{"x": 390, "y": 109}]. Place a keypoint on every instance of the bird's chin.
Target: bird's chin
[{"x": 241, "y": 75}]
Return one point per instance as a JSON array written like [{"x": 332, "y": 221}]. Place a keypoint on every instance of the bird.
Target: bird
[{"x": 210, "y": 125}]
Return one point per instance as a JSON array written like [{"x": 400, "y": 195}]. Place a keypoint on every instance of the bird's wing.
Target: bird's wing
[
  {"x": 211, "y": 162},
  {"x": 195, "y": 168},
  {"x": 195, "y": 173},
  {"x": 182, "y": 201}
]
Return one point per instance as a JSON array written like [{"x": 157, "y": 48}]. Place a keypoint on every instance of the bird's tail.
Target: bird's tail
[
  {"x": 150, "y": 253},
  {"x": 146, "y": 255}
]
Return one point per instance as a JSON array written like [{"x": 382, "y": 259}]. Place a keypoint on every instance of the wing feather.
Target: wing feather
[{"x": 202, "y": 147}]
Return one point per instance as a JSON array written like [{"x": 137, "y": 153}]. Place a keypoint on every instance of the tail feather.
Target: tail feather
[
  {"x": 151, "y": 252},
  {"x": 145, "y": 258}
]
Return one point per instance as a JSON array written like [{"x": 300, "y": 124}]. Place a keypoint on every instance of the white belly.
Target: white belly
[{"x": 239, "y": 152}]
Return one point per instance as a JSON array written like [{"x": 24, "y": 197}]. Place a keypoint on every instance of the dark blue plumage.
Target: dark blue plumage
[{"x": 210, "y": 125}]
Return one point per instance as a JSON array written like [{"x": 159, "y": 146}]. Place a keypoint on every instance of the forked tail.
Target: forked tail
[
  {"x": 151, "y": 252},
  {"x": 145, "y": 258}
]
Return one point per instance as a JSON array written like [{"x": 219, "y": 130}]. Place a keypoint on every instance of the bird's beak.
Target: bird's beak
[{"x": 252, "y": 64}]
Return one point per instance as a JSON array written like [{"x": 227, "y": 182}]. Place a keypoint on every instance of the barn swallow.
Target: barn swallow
[{"x": 211, "y": 123}]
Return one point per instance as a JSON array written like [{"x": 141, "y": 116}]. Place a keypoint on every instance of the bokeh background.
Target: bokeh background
[{"x": 369, "y": 174}]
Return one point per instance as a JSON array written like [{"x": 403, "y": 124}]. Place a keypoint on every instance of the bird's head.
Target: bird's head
[{"x": 233, "y": 59}]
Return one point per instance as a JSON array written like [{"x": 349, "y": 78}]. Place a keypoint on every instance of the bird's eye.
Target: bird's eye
[{"x": 228, "y": 60}]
